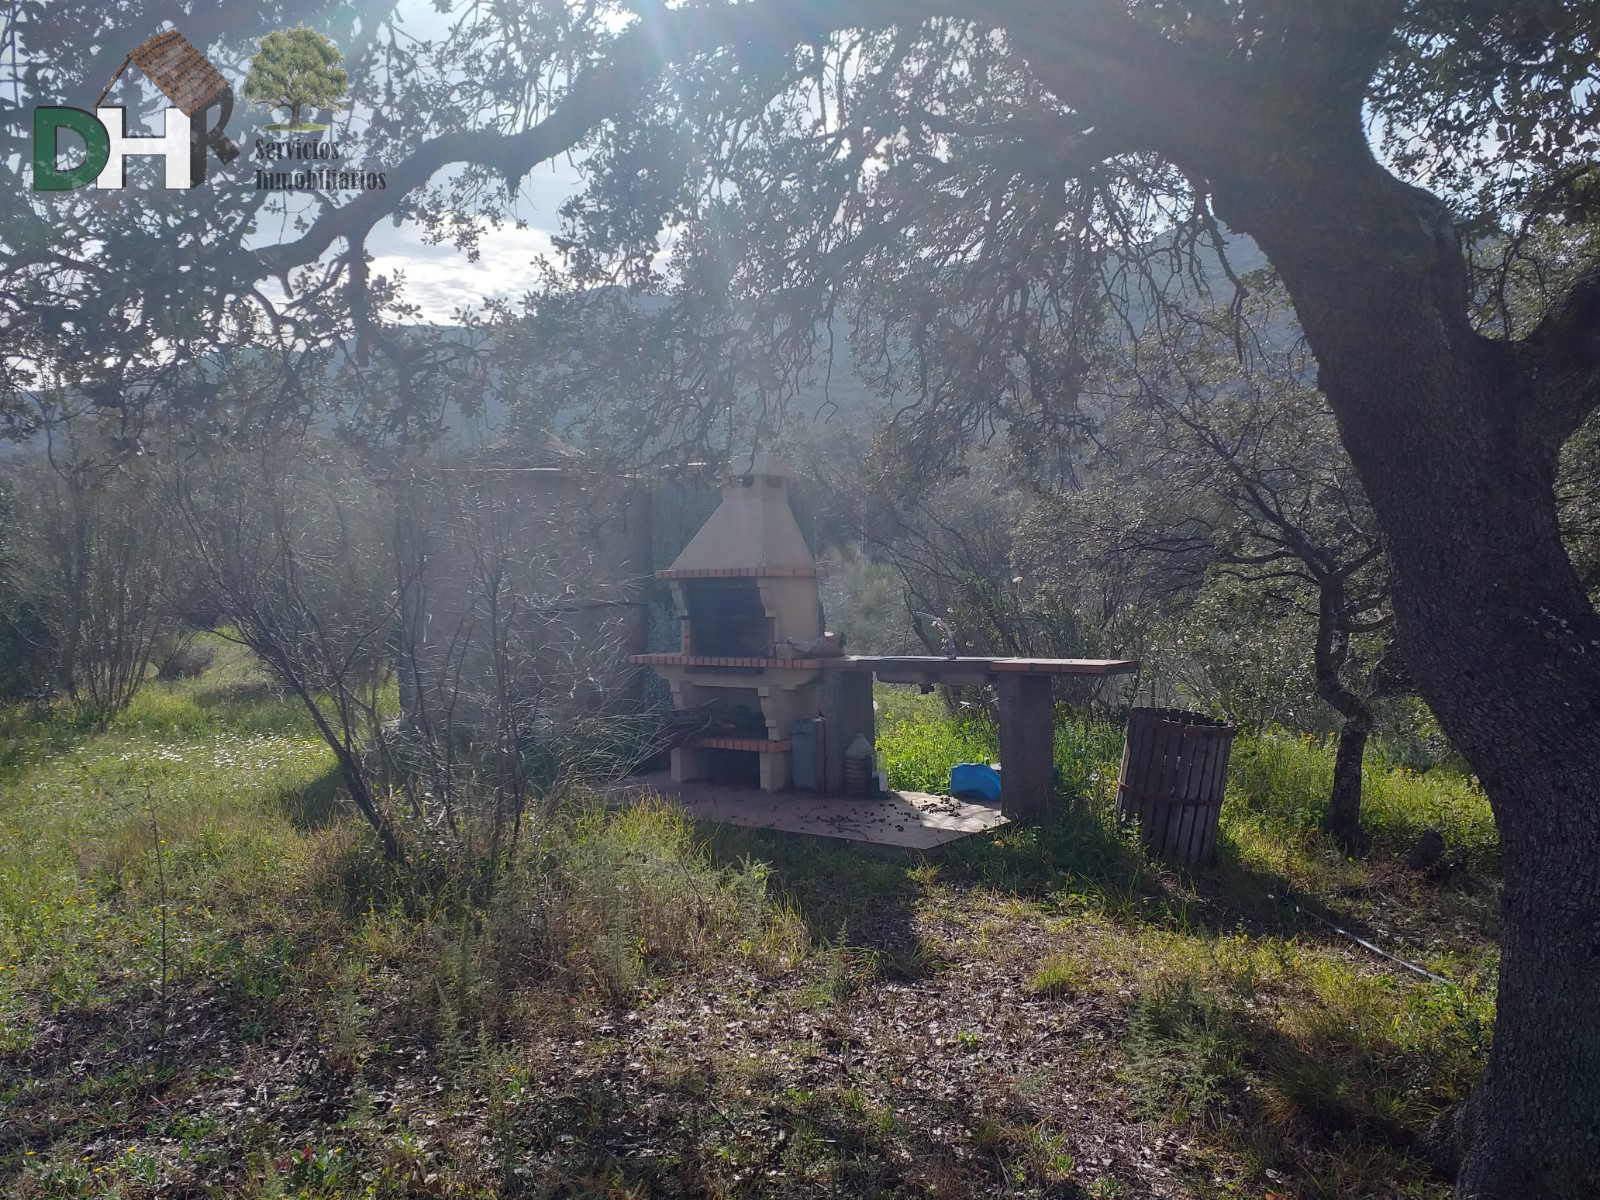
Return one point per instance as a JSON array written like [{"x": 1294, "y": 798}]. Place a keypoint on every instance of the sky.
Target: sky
[{"x": 440, "y": 279}]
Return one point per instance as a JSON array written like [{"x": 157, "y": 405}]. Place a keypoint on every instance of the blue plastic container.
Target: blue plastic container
[{"x": 975, "y": 781}]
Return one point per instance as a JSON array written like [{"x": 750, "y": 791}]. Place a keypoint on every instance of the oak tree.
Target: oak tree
[{"x": 960, "y": 171}]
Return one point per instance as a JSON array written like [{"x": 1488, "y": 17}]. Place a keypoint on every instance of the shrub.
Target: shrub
[
  {"x": 27, "y": 650},
  {"x": 1185, "y": 1052},
  {"x": 180, "y": 656},
  {"x": 1284, "y": 780},
  {"x": 92, "y": 554}
]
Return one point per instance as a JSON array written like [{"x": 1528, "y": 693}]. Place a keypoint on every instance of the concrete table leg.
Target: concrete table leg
[
  {"x": 846, "y": 711},
  {"x": 774, "y": 768},
  {"x": 687, "y": 765},
  {"x": 1027, "y": 744}
]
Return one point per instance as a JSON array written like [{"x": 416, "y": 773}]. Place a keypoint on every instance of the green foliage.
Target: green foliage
[
  {"x": 1409, "y": 735},
  {"x": 1284, "y": 780},
  {"x": 864, "y": 598},
  {"x": 1184, "y": 1052},
  {"x": 91, "y": 568},
  {"x": 1236, "y": 653},
  {"x": 296, "y": 68},
  {"x": 27, "y": 650},
  {"x": 1503, "y": 107},
  {"x": 918, "y": 741},
  {"x": 948, "y": 544}
]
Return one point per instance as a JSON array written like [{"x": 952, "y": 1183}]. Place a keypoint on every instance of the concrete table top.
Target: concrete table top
[{"x": 939, "y": 664}]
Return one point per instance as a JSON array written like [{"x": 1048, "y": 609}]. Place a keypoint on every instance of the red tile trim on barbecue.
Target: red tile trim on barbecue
[
  {"x": 739, "y": 573},
  {"x": 731, "y": 743}
]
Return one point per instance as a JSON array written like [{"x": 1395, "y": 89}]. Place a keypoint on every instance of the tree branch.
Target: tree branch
[
  {"x": 602, "y": 92},
  {"x": 1097, "y": 39},
  {"x": 1565, "y": 352}
]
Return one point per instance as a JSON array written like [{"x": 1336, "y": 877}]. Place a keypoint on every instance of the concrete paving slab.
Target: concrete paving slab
[{"x": 903, "y": 820}]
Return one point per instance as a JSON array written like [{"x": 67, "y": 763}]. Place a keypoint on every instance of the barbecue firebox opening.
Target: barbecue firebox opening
[
  {"x": 730, "y": 768},
  {"x": 727, "y": 618}
]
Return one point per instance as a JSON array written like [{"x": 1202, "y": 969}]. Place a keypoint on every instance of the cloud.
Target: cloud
[{"x": 441, "y": 279}]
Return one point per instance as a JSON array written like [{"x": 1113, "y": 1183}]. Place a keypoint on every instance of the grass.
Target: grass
[
  {"x": 1282, "y": 781},
  {"x": 919, "y": 742},
  {"x": 212, "y": 984}
]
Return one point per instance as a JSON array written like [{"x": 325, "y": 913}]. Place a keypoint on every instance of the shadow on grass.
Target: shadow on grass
[
  {"x": 317, "y": 804},
  {"x": 249, "y": 693},
  {"x": 853, "y": 896},
  {"x": 1330, "y": 1104},
  {"x": 31, "y": 732},
  {"x": 1081, "y": 853},
  {"x": 846, "y": 895},
  {"x": 835, "y": 1137},
  {"x": 251, "y": 707}
]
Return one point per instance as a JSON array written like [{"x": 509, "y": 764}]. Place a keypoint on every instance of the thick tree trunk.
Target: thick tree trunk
[
  {"x": 1453, "y": 439},
  {"x": 1506, "y": 650}
]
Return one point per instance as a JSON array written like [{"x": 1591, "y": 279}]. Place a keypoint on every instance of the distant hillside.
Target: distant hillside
[{"x": 833, "y": 399}]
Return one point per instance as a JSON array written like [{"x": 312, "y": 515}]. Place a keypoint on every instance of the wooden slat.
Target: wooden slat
[
  {"x": 1173, "y": 774},
  {"x": 184, "y": 75}
]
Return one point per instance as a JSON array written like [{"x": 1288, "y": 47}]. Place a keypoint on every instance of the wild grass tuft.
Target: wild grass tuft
[
  {"x": 1059, "y": 976},
  {"x": 1284, "y": 780},
  {"x": 612, "y": 898}
]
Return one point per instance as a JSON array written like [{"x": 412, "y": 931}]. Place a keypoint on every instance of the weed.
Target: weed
[
  {"x": 1185, "y": 1053},
  {"x": 612, "y": 898},
  {"x": 1060, "y": 976}
]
